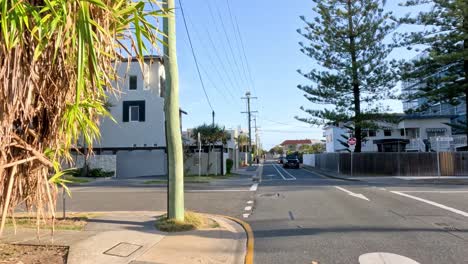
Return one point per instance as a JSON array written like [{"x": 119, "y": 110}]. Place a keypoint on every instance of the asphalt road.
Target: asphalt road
[
  {"x": 227, "y": 197},
  {"x": 301, "y": 217}
]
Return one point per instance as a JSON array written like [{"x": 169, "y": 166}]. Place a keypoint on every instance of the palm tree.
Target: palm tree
[
  {"x": 242, "y": 141},
  {"x": 56, "y": 58}
]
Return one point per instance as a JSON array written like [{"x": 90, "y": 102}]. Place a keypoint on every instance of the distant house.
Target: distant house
[
  {"x": 417, "y": 134},
  {"x": 220, "y": 151},
  {"x": 296, "y": 144}
]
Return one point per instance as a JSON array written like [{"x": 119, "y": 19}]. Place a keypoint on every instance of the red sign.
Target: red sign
[{"x": 352, "y": 141}]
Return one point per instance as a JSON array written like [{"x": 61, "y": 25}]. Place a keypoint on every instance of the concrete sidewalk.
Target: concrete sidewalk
[{"x": 130, "y": 237}]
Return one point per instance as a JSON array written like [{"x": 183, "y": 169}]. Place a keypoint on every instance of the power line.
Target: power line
[
  {"x": 214, "y": 65},
  {"x": 281, "y": 123},
  {"x": 237, "y": 30},
  {"x": 223, "y": 46},
  {"x": 243, "y": 51},
  {"x": 194, "y": 56},
  {"x": 229, "y": 42}
]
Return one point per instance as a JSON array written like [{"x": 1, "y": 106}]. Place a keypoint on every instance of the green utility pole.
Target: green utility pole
[{"x": 171, "y": 108}]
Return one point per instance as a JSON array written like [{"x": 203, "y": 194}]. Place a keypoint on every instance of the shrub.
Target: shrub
[
  {"x": 98, "y": 173},
  {"x": 229, "y": 164}
]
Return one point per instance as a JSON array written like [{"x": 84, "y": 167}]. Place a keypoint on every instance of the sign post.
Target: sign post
[
  {"x": 199, "y": 155},
  {"x": 352, "y": 146}
]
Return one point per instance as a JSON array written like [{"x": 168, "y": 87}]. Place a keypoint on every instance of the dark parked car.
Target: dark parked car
[{"x": 291, "y": 162}]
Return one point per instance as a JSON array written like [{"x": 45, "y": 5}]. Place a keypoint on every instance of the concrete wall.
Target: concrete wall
[
  {"x": 105, "y": 162},
  {"x": 332, "y": 134},
  {"x": 140, "y": 163},
  {"x": 216, "y": 159},
  {"x": 309, "y": 159},
  {"x": 127, "y": 134},
  {"x": 225, "y": 157}
]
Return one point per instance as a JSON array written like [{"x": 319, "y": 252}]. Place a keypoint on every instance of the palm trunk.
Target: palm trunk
[
  {"x": 356, "y": 90},
  {"x": 174, "y": 138}
]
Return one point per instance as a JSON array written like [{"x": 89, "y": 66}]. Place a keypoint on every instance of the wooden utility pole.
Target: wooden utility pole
[
  {"x": 171, "y": 108},
  {"x": 249, "y": 117}
]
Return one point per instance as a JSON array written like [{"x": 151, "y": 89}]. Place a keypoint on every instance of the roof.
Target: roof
[
  {"x": 296, "y": 142},
  {"x": 145, "y": 58}
]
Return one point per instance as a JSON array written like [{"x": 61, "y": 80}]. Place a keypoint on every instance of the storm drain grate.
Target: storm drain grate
[
  {"x": 270, "y": 195},
  {"x": 123, "y": 250},
  {"x": 446, "y": 227}
]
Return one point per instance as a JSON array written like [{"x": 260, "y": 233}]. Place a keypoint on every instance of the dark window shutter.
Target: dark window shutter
[
  {"x": 142, "y": 108},
  {"x": 126, "y": 105}
]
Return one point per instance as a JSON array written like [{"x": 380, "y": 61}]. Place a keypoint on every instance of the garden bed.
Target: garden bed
[{"x": 29, "y": 254}]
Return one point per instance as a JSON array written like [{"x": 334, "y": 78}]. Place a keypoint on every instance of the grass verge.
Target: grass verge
[
  {"x": 194, "y": 179},
  {"x": 192, "y": 221},
  {"x": 76, "y": 180},
  {"x": 74, "y": 221}
]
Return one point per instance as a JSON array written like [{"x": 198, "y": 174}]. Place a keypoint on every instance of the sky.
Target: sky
[{"x": 268, "y": 69}]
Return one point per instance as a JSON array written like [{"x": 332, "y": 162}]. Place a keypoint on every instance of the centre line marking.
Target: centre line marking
[
  {"x": 254, "y": 187},
  {"x": 248, "y": 208},
  {"x": 453, "y": 210},
  {"x": 282, "y": 176}
]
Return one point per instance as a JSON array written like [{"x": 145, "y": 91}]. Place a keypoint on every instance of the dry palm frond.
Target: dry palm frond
[{"x": 56, "y": 57}]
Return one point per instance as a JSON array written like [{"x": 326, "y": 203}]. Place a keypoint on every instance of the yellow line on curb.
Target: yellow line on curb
[{"x": 249, "y": 256}]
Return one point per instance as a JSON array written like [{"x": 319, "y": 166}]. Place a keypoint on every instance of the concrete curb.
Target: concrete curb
[
  {"x": 325, "y": 174},
  {"x": 249, "y": 256}
]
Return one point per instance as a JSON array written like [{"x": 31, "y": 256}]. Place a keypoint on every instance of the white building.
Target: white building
[
  {"x": 419, "y": 131},
  {"x": 137, "y": 137}
]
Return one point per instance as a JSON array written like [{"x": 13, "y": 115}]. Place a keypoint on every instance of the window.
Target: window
[
  {"x": 387, "y": 133},
  {"x": 133, "y": 111},
  {"x": 402, "y": 132},
  {"x": 372, "y": 133},
  {"x": 132, "y": 85}
]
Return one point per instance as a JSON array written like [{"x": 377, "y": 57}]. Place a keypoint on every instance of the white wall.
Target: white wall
[
  {"x": 191, "y": 164},
  {"x": 126, "y": 134},
  {"x": 309, "y": 159},
  {"x": 141, "y": 163},
  {"x": 105, "y": 162},
  {"x": 332, "y": 134}
]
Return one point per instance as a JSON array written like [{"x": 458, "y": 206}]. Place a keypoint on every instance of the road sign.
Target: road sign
[{"x": 352, "y": 141}]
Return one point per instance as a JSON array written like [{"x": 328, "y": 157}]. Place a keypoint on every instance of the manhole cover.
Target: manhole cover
[
  {"x": 385, "y": 258},
  {"x": 123, "y": 250}
]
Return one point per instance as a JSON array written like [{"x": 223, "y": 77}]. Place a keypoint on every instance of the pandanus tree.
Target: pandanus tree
[{"x": 57, "y": 66}]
